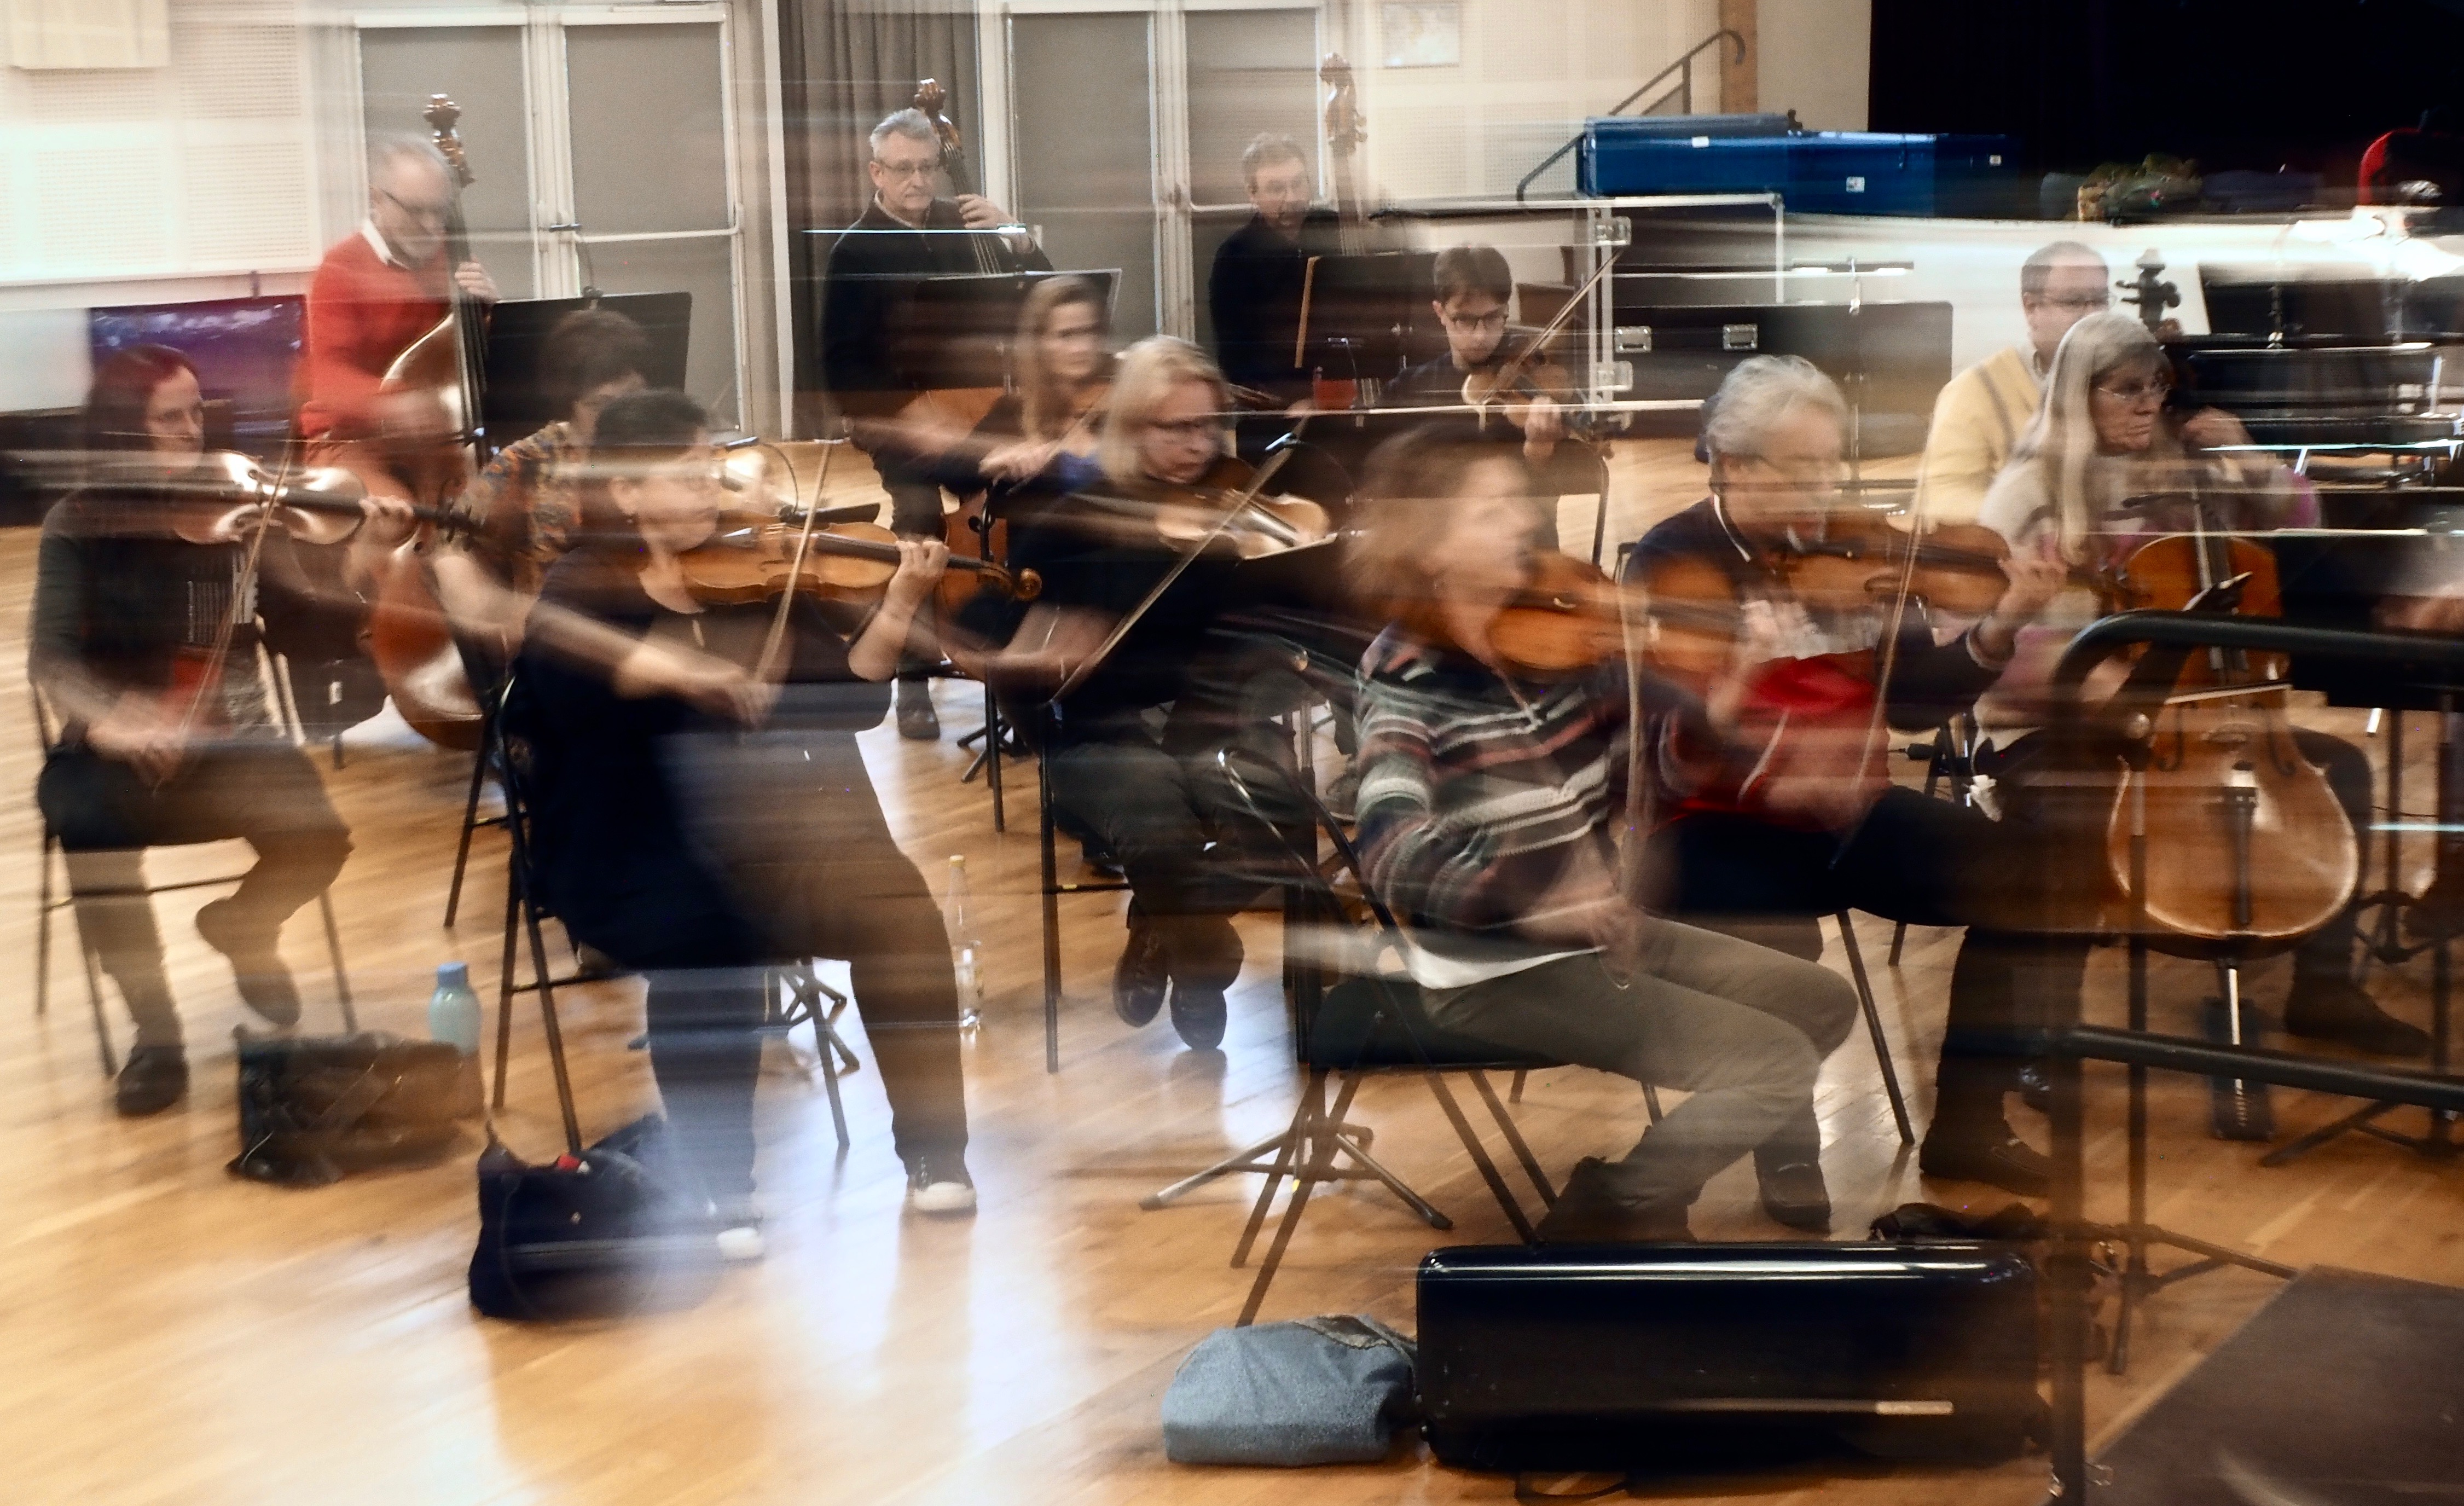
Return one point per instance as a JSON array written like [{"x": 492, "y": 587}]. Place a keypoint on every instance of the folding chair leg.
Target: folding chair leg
[
  {"x": 993, "y": 759},
  {"x": 1051, "y": 919},
  {"x": 333, "y": 954},
  {"x": 1479, "y": 1153},
  {"x": 505, "y": 988},
  {"x": 555, "y": 1036},
  {"x": 94, "y": 1001},
  {"x": 1302, "y": 1181},
  {"x": 1514, "y": 1138},
  {"x": 1651, "y": 1102},
  {"x": 43, "y": 935},
  {"x": 1515, "y": 1089},
  {"x": 470, "y": 820},
  {"x": 1873, "y": 1028},
  {"x": 1244, "y": 1159}
]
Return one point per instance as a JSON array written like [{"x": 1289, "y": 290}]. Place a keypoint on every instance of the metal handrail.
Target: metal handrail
[{"x": 1683, "y": 64}]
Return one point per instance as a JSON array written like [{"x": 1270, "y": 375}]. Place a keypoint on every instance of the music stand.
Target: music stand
[
  {"x": 518, "y": 399},
  {"x": 942, "y": 331}
]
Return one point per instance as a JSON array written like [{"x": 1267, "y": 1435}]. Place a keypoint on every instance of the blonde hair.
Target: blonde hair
[
  {"x": 2080, "y": 484},
  {"x": 1148, "y": 374},
  {"x": 1043, "y": 409}
]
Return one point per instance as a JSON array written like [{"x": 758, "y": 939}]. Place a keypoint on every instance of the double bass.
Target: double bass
[{"x": 407, "y": 636}]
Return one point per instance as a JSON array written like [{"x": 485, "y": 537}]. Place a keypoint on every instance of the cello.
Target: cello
[{"x": 407, "y": 636}]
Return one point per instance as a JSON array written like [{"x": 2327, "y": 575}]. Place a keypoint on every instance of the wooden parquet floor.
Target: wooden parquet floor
[{"x": 173, "y": 1335}]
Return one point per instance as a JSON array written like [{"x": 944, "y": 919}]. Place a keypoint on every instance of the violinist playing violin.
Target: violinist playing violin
[
  {"x": 702, "y": 809},
  {"x": 1796, "y": 816},
  {"x": 1145, "y": 689},
  {"x": 1494, "y": 784},
  {"x": 376, "y": 292},
  {"x": 1473, "y": 288},
  {"x": 2100, "y": 468},
  {"x": 144, "y": 644}
]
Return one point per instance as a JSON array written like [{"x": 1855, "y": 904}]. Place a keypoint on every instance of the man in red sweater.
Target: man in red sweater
[{"x": 375, "y": 293}]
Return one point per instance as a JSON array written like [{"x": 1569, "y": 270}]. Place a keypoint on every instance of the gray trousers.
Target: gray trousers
[{"x": 1741, "y": 1027}]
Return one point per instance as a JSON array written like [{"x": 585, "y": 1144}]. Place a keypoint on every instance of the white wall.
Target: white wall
[{"x": 1813, "y": 59}]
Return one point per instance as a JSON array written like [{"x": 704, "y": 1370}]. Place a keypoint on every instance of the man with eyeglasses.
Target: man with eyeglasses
[
  {"x": 375, "y": 293},
  {"x": 1254, "y": 289},
  {"x": 1471, "y": 287},
  {"x": 908, "y": 231},
  {"x": 1981, "y": 411}
]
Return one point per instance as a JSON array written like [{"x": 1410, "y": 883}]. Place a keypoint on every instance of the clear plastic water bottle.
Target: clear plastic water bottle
[
  {"x": 965, "y": 946},
  {"x": 453, "y": 1009}
]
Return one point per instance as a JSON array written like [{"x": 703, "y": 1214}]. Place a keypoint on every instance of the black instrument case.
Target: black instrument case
[{"x": 1570, "y": 1356}]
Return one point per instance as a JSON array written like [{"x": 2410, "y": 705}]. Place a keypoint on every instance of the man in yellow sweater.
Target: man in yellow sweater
[{"x": 1982, "y": 412}]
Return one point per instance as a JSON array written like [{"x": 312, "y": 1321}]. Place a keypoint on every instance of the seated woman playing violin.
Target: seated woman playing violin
[
  {"x": 1144, "y": 688},
  {"x": 702, "y": 809},
  {"x": 1804, "y": 678},
  {"x": 144, "y": 645},
  {"x": 2101, "y": 470},
  {"x": 1494, "y": 779}
]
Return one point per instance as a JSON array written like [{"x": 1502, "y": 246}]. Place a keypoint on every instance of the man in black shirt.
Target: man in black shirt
[
  {"x": 1254, "y": 292},
  {"x": 905, "y": 232}
]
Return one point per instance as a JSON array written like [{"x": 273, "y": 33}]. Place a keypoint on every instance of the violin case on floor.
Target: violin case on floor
[{"x": 1627, "y": 1356}]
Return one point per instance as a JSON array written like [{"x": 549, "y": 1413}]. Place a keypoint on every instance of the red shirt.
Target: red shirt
[{"x": 363, "y": 312}]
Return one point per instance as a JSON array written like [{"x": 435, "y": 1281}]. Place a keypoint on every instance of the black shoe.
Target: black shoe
[
  {"x": 264, "y": 982},
  {"x": 2035, "y": 1085},
  {"x": 937, "y": 1182},
  {"x": 1587, "y": 1213},
  {"x": 2334, "y": 1009},
  {"x": 917, "y": 721},
  {"x": 1198, "y": 1015},
  {"x": 1099, "y": 860},
  {"x": 1992, "y": 1154},
  {"x": 152, "y": 1079},
  {"x": 1140, "y": 977},
  {"x": 1793, "y": 1194}
]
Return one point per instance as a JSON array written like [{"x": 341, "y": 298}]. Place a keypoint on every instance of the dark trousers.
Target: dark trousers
[
  {"x": 105, "y": 814},
  {"x": 1195, "y": 854},
  {"x": 812, "y": 870},
  {"x": 914, "y": 513},
  {"x": 1927, "y": 862}
]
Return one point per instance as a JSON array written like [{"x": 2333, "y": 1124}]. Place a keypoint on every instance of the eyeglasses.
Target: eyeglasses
[
  {"x": 1495, "y": 318},
  {"x": 1188, "y": 429},
  {"x": 425, "y": 212},
  {"x": 906, "y": 169},
  {"x": 2091, "y": 303},
  {"x": 2138, "y": 392}
]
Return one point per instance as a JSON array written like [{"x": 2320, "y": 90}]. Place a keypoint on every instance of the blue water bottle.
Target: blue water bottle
[{"x": 453, "y": 1009}]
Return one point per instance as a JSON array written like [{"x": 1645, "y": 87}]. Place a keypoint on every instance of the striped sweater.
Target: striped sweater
[{"x": 1476, "y": 793}]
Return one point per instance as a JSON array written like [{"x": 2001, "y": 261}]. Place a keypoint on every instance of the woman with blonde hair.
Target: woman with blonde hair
[
  {"x": 1133, "y": 727},
  {"x": 2103, "y": 466}
]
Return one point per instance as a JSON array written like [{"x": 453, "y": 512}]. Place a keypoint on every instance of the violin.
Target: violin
[
  {"x": 227, "y": 492},
  {"x": 1227, "y": 502},
  {"x": 762, "y": 556}
]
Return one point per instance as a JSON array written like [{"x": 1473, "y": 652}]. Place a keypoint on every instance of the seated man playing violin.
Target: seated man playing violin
[
  {"x": 1804, "y": 678},
  {"x": 144, "y": 643},
  {"x": 2101, "y": 470},
  {"x": 1144, "y": 687},
  {"x": 702, "y": 810},
  {"x": 1472, "y": 288},
  {"x": 1495, "y": 777}
]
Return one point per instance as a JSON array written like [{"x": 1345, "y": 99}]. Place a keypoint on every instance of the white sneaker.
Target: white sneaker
[
  {"x": 741, "y": 1244},
  {"x": 940, "y": 1185}
]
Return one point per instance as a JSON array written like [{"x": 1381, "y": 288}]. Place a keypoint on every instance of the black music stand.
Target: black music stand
[{"x": 518, "y": 400}]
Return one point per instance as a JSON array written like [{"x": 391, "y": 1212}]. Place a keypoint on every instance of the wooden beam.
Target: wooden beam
[{"x": 1738, "y": 80}]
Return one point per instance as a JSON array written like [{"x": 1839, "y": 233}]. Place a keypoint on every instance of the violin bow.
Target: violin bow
[
  {"x": 1087, "y": 666},
  {"x": 243, "y": 590},
  {"x": 1513, "y": 367},
  {"x": 768, "y": 667}
]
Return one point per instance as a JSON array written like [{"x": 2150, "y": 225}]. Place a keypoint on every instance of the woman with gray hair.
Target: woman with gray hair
[
  {"x": 2100, "y": 469},
  {"x": 1799, "y": 819}
]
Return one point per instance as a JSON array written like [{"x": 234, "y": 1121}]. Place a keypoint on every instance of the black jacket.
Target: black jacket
[{"x": 1254, "y": 296}]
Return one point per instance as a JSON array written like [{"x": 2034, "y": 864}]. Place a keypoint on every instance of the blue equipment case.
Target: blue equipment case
[{"x": 1818, "y": 172}]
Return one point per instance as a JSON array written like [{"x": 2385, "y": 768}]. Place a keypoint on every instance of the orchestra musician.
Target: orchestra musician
[
  {"x": 1253, "y": 292},
  {"x": 1473, "y": 286},
  {"x": 1129, "y": 746},
  {"x": 376, "y": 292},
  {"x": 699, "y": 819},
  {"x": 144, "y": 644},
  {"x": 906, "y": 232},
  {"x": 2102, "y": 465},
  {"x": 1807, "y": 823},
  {"x": 1489, "y": 799},
  {"x": 1981, "y": 413}
]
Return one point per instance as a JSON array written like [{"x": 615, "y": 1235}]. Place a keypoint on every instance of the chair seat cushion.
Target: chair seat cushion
[{"x": 1350, "y": 1031}]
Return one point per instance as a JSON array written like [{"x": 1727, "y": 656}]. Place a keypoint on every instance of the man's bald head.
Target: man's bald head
[{"x": 2059, "y": 285}]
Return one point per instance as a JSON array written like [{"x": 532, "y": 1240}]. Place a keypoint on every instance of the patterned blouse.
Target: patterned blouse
[{"x": 527, "y": 506}]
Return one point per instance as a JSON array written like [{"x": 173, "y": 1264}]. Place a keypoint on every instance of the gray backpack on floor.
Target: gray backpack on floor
[{"x": 1322, "y": 1390}]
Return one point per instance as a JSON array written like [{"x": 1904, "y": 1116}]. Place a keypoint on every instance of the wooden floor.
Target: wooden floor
[{"x": 173, "y": 1335}]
